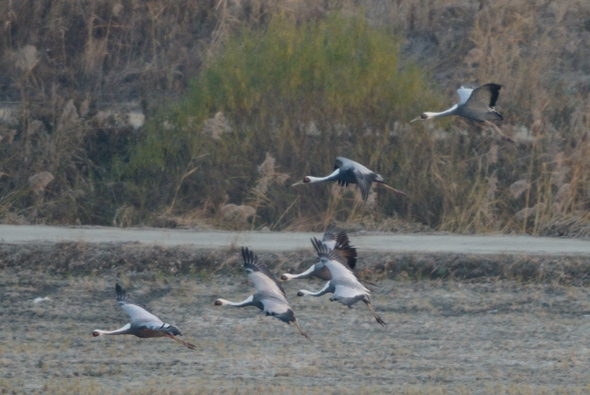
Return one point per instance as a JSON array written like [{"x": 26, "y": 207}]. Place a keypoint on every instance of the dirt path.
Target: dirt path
[{"x": 287, "y": 241}]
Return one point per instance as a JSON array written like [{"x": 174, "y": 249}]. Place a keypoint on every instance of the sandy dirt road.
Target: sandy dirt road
[{"x": 285, "y": 241}]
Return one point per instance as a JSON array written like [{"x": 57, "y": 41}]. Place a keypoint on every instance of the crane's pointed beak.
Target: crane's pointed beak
[
  {"x": 416, "y": 119},
  {"x": 297, "y": 183}
]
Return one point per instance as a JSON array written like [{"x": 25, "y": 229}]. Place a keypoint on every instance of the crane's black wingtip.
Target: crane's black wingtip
[
  {"x": 319, "y": 246},
  {"x": 120, "y": 292},
  {"x": 247, "y": 255},
  {"x": 492, "y": 86}
]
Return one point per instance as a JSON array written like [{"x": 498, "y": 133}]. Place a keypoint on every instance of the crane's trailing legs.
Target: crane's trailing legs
[
  {"x": 379, "y": 319},
  {"x": 393, "y": 189},
  {"x": 497, "y": 129},
  {"x": 186, "y": 344},
  {"x": 301, "y": 331}
]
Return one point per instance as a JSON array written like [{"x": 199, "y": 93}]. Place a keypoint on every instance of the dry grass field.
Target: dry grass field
[{"x": 494, "y": 336}]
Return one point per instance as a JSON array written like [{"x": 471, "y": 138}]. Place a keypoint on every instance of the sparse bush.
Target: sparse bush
[{"x": 304, "y": 93}]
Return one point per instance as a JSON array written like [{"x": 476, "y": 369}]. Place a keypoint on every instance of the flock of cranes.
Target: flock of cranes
[
  {"x": 336, "y": 260},
  {"x": 336, "y": 257},
  {"x": 475, "y": 104}
]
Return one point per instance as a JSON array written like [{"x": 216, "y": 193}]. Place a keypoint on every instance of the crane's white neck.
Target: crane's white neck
[
  {"x": 310, "y": 179},
  {"x": 327, "y": 288},
  {"x": 223, "y": 302},
  {"x": 303, "y": 292},
  {"x": 122, "y": 331},
  {"x": 305, "y": 274},
  {"x": 430, "y": 115}
]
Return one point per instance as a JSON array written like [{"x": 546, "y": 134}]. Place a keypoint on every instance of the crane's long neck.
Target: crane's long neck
[
  {"x": 305, "y": 274},
  {"x": 122, "y": 331},
  {"x": 327, "y": 289},
  {"x": 450, "y": 111},
  {"x": 331, "y": 177},
  {"x": 244, "y": 303}
]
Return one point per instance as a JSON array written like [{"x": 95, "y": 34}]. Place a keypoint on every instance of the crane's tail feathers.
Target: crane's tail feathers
[
  {"x": 379, "y": 320},
  {"x": 301, "y": 331},
  {"x": 393, "y": 189},
  {"x": 497, "y": 129},
  {"x": 187, "y": 345}
]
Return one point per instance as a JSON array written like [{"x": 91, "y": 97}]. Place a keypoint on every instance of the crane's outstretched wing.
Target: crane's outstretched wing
[
  {"x": 263, "y": 279},
  {"x": 342, "y": 277},
  {"x": 353, "y": 172},
  {"x": 464, "y": 93},
  {"x": 139, "y": 314},
  {"x": 364, "y": 182},
  {"x": 324, "y": 251},
  {"x": 480, "y": 105},
  {"x": 330, "y": 236},
  {"x": 276, "y": 305},
  {"x": 337, "y": 239},
  {"x": 340, "y": 161},
  {"x": 346, "y": 173},
  {"x": 345, "y": 162},
  {"x": 486, "y": 95}
]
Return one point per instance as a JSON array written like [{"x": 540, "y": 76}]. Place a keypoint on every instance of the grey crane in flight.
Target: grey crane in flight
[
  {"x": 143, "y": 323},
  {"x": 346, "y": 172},
  {"x": 335, "y": 239},
  {"x": 270, "y": 295},
  {"x": 345, "y": 286},
  {"x": 476, "y": 104}
]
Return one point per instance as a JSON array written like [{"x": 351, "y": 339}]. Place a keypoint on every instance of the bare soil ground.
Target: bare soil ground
[{"x": 491, "y": 335}]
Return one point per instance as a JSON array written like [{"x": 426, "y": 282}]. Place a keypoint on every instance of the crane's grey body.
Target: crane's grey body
[
  {"x": 335, "y": 239},
  {"x": 347, "y": 171},
  {"x": 478, "y": 104},
  {"x": 269, "y": 296},
  {"x": 143, "y": 323},
  {"x": 141, "y": 318}
]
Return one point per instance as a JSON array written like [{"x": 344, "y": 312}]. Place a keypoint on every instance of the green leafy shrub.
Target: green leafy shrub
[{"x": 304, "y": 93}]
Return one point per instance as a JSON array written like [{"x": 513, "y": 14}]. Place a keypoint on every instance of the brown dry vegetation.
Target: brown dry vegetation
[{"x": 218, "y": 95}]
